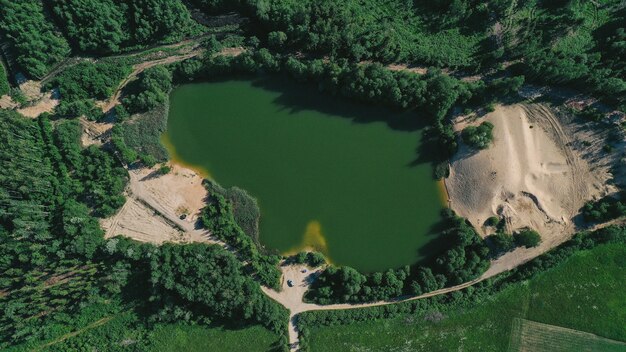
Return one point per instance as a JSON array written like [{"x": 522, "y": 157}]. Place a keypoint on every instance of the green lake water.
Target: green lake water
[{"x": 326, "y": 173}]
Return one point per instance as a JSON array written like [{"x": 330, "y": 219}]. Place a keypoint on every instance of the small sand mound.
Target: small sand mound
[{"x": 530, "y": 176}]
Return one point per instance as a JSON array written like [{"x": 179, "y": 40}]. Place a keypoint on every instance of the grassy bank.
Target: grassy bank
[
  {"x": 192, "y": 338},
  {"x": 583, "y": 293}
]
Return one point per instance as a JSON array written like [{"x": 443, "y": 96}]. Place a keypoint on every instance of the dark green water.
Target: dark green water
[{"x": 325, "y": 172}]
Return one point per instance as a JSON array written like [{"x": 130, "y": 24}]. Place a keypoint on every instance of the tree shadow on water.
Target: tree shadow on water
[{"x": 297, "y": 97}]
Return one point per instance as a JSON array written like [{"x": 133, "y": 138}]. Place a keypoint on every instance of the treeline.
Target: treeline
[
  {"x": 445, "y": 34},
  {"x": 120, "y": 24},
  {"x": 603, "y": 210},
  {"x": 466, "y": 258},
  {"x": 38, "y": 47},
  {"x": 225, "y": 211},
  {"x": 461, "y": 299}
]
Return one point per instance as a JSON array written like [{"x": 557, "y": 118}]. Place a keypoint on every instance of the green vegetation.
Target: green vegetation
[
  {"x": 527, "y": 238},
  {"x": 117, "y": 25},
  {"x": 208, "y": 282},
  {"x": 219, "y": 218},
  {"x": 150, "y": 91},
  {"x": 38, "y": 47},
  {"x": 478, "y": 137},
  {"x": 465, "y": 259},
  {"x": 312, "y": 259},
  {"x": 141, "y": 135},
  {"x": 605, "y": 209},
  {"x": 80, "y": 84},
  {"x": 64, "y": 284},
  {"x": 245, "y": 208},
  {"x": 580, "y": 292},
  {"x": 194, "y": 338},
  {"x": 5, "y": 88}
]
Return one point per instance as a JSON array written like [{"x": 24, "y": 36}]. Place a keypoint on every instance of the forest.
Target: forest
[{"x": 467, "y": 55}]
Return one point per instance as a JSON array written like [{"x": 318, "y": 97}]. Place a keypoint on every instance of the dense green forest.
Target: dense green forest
[
  {"x": 56, "y": 263},
  {"x": 60, "y": 275},
  {"x": 120, "y": 24}
]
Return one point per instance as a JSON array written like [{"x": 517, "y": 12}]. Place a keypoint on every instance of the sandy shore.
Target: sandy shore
[{"x": 530, "y": 176}]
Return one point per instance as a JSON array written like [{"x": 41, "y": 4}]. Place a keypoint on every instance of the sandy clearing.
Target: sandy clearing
[
  {"x": 179, "y": 192},
  {"x": 137, "y": 221},
  {"x": 530, "y": 175},
  {"x": 7, "y": 103},
  {"x": 94, "y": 132},
  {"x": 154, "y": 205},
  {"x": 46, "y": 103}
]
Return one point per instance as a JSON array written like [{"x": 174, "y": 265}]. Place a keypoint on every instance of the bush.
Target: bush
[
  {"x": 277, "y": 39},
  {"x": 478, "y": 137},
  {"x": 604, "y": 209},
  {"x": 312, "y": 259},
  {"x": 527, "y": 238},
  {"x": 492, "y": 221},
  {"x": 501, "y": 243},
  {"x": 88, "y": 80},
  {"x": 165, "y": 169}
]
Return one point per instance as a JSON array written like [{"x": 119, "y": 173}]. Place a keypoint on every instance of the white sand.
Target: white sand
[{"x": 530, "y": 175}]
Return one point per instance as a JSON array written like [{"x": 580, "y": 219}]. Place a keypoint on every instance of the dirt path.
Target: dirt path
[{"x": 139, "y": 68}]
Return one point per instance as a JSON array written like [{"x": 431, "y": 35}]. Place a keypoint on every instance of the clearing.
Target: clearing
[{"x": 531, "y": 177}]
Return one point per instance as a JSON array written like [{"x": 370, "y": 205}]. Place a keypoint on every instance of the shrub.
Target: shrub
[
  {"x": 527, "y": 238},
  {"x": 501, "y": 243},
  {"x": 478, "y": 137},
  {"x": 492, "y": 221},
  {"x": 165, "y": 169}
]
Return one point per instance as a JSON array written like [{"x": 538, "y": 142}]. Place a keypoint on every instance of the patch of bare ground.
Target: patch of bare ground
[
  {"x": 7, "y": 103},
  {"x": 37, "y": 102},
  {"x": 45, "y": 103},
  {"x": 94, "y": 132},
  {"x": 533, "y": 175},
  {"x": 155, "y": 205},
  {"x": 180, "y": 191},
  {"x": 139, "y": 222}
]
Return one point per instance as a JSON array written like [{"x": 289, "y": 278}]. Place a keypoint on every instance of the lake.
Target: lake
[{"x": 327, "y": 174}]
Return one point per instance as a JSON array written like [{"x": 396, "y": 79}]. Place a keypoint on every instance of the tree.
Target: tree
[
  {"x": 151, "y": 90},
  {"x": 276, "y": 39},
  {"x": 527, "y": 238},
  {"x": 478, "y": 137}
]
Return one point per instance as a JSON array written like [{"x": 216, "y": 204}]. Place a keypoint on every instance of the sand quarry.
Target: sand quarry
[
  {"x": 532, "y": 175},
  {"x": 154, "y": 206}
]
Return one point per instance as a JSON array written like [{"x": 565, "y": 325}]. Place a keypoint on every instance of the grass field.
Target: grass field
[
  {"x": 179, "y": 337},
  {"x": 585, "y": 293},
  {"x": 528, "y": 335}
]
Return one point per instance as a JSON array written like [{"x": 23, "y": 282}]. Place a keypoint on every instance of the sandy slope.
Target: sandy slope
[{"x": 530, "y": 175}]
